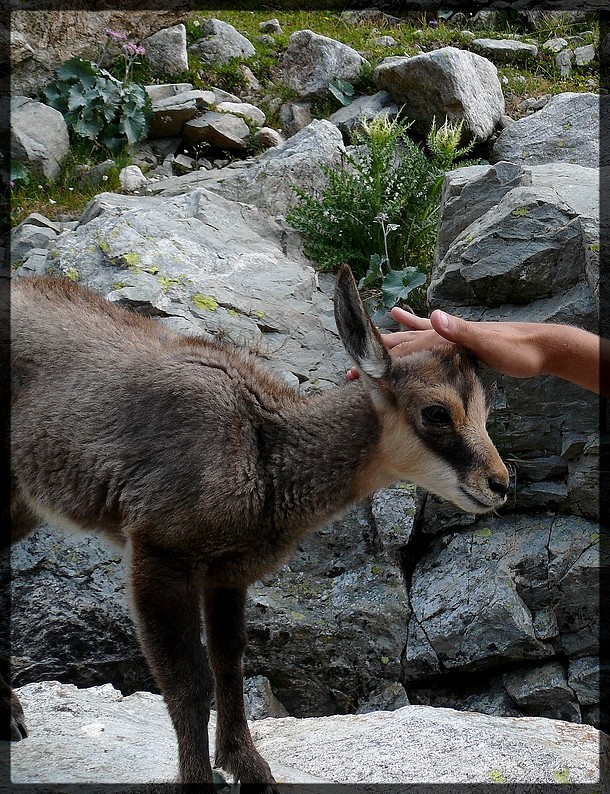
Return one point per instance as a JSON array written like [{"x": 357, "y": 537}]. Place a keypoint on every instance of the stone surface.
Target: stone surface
[
  {"x": 311, "y": 62},
  {"x": 448, "y": 82},
  {"x": 221, "y": 43},
  {"x": 565, "y": 130},
  {"x": 245, "y": 109},
  {"x": 98, "y": 736},
  {"x": 222, "y": 130},
  {"x": 170, "y": 113},
  {"x": 27, "y": 236},
  {"x": 132, "y": 178},
  {"x": 504, "y": 50},
  {"x": 260, "y": 702},
  {"x": 39, "y": 137},
  {"x": 294, "y": 116},
  {"x": 268, "y": 181},
  {"x": 41, "y": 40},
  {"x": 268, "y": 137},
  {"x": 364, "y": 108},
  {"x": 166, "y": 50}
]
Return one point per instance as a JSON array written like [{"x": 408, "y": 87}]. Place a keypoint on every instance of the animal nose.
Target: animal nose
[{"x": 497, "y": 486}]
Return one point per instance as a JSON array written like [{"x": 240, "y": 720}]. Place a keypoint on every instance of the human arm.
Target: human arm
[{"x": 520, "y": 350}]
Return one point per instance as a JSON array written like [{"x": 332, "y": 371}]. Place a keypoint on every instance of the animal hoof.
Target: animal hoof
[{"x": 13, "y": 729}]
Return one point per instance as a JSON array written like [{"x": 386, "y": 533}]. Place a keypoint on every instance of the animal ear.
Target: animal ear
[{"x": 358, "y": 334}]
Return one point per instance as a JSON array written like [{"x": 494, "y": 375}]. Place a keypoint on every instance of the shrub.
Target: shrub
[
  {"x": 379, "y": 208},
  {"x": 99, "y": 107}
]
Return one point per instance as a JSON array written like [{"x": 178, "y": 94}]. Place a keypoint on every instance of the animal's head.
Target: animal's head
[{"x": 433, "y": 409}]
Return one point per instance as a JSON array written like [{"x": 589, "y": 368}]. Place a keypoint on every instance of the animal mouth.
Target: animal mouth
[{"x": 483, "y": 506}]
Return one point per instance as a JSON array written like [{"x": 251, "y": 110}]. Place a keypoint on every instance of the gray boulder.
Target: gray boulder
[
  {"x": 98, "y": 736},
  {"x": 268, "y": 137},
  {"x": 132, "y": 179},
  {"x": 166, "y": 50},
  {"x": 451, "y": 83},
  {"x": 221, "y": 43},
  {"x": 244, "y": 109},
  {"x": 565, "y": 130},
  {"x": 172, "y": 109},
  {"x": 218, "y": 129},
  {"x": 363, "y": 109},
  {"x": 294, "y": 116},
  {"x": 268, "y": 181},
  {"x": 311, "y": 62},
  {"x": 39, "y": 136},
  {"x": 504, "y": 50}
]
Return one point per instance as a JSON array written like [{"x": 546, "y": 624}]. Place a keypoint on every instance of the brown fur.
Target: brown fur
[{"x": 210, "y": 471}]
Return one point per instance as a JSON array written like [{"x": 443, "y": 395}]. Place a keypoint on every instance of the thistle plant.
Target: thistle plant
[{"x": 379, "y": 209}]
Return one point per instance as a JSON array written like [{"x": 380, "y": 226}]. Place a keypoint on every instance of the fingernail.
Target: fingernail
[{"x": 444, "y": 318}]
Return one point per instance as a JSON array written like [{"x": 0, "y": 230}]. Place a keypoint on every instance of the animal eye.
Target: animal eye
[{"x": 436, "y": 415}]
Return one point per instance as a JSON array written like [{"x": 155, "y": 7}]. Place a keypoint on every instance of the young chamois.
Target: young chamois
[{"x": 211, "y": 470}]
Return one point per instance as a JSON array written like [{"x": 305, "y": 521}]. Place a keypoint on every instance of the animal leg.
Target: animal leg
[
  {"x": 12, "y": 719},
  {"x": 226, "y": 636},
  {"x": 166, "y": 598}
]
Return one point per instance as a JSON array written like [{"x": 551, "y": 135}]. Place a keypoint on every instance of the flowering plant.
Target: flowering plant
[{"x": 124, "y": 47}]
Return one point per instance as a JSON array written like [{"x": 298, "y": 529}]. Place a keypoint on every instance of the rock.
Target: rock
[
  {"x": 534, "y": 103},
  {"x": 364, "y": 108},
  {"x": 387, "y": 697},
  {"x": 497, "y": 594},
  {"x": 42, "y": 40},
  {"x": 543, "y": 691},
  {"x": 39, "y": 136},
  {"x": 385, "y": 41},
  {"x": 166, "y": 90},
  {"x": 33, "y": 263},
  {"x": 97, "y": 736},
  {"x": 393, "y": 510},
  {"x": 555, "y": 44},
  {"x": 166, "y": 50},
  {"x": 48, "y": 575},
  {"x": 564, "y": 130},
  {"x": 268, "y": 137},
  {"x": 584, "y": 679},
  {"x": 268, "y": 182},
  {"x": 270, "y": 26},
  {"x": 171, "y": 113},
  {"x": 218, "y": 129},
  {"x": 221, "y": 43},
  {"x": 244, "y": 109},
  {"x": 224, "y": 96},
  {"x": 132, "y": 178},
  {"x": 448, "y": 82},
  {"x": 248, "y": 76},
  {"x": 563, "y": 61},
  {"x": 584, "y": 55},
  {"x": 311, "y": 62},
  {"x": 294, "y": 116},
  {"x": 260, "y": 701},
  {"x": 183, "y": 163},
  {"x": 504, "y": 50},
  {"x": 27, "y": 236}
]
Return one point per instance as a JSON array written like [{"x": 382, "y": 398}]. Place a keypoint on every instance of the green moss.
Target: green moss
[
  {"x": 153, "y": 270},
  {"x": 72, "y": 273},
  {"x": 205, "y": 302},
  {"x": 119, "y": 285},
  {"x": 594, "y": 247},
  {"x": 520, "y": 212},
  {"x": 103, "y": 246},
  {"x": 132, "y": 260},
  {"x": 562, "y": 775},
  {"x": 385, "y": 660},
  {"x": 297, "y": 615},
  {"x": 497, "y": 776},
  {"x": 233, "y": 312},
  {"x": 259, "y": 314},
  {"x": 484, "y": 532}
]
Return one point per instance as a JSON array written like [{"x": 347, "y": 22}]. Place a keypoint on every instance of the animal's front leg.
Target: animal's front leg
[
  {"x": 226, "y": 635},
  {"x": 12, "y": 720},
  {"x": 167, "y": 600}
]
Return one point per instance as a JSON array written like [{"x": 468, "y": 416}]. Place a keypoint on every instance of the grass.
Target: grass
[{"x": 539, "y": 77}]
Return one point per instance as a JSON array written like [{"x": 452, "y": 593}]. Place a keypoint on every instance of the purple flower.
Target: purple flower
[
  {"x": 433, "y": 23},
  {"x": 140, "y": 50},
  {"x": 115, "y": 34},
  {"x": 130, "y": 48},
  {"x": 11, "y": 183}
]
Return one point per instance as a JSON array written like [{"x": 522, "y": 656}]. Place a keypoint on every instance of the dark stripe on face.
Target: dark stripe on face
[{"x": 452, "y": 448}]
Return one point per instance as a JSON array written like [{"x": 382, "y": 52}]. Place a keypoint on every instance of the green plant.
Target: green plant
[
  {"x": 99, "y": 107},
  {"x": 342, "y": 90},
  {"x": 13, "y": 173},
  {"x": 379, "y": 208}
]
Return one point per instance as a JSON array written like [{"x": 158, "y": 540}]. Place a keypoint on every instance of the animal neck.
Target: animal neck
[{"x": 321, "y": 457}]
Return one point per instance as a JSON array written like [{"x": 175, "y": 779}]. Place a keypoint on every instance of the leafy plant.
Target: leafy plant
[
  {"x": 99, "y": 107},
  {"x": 13, "y": 172},
  {"x": 342, "y": 90},
  {"x": 382, "y": 198}
]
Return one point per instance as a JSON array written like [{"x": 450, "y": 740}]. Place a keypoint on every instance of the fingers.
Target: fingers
[{"x": 410, "y": 320}]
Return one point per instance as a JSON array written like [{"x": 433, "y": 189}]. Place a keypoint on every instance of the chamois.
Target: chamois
[{"x": 210, "y": 470}]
